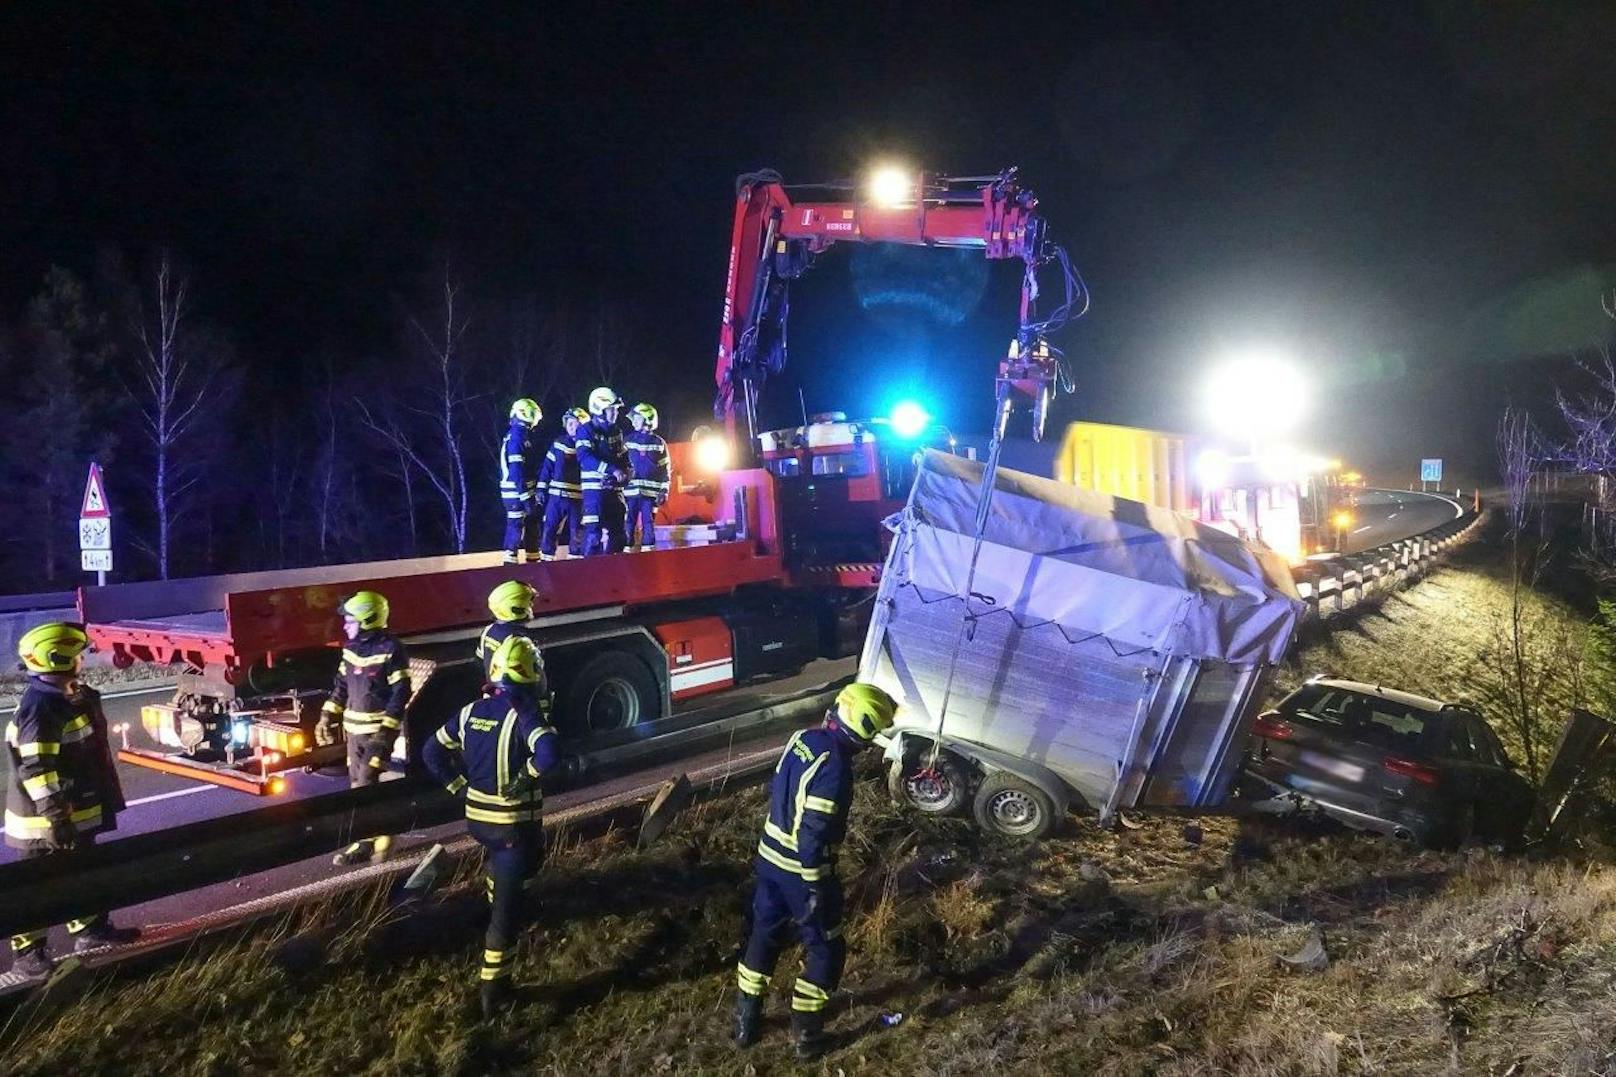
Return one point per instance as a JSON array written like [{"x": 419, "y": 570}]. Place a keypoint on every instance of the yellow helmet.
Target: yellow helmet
[
  {"x": 865, "y": 710},
  {"x": 512, "y": 601},
  {"x": 367, "y": 608},
  {"x": 516, "y": 662},
  {"x": 602, "y": 398},
  {"x": 53, "y": 647},
  {"x": 526, "y": 411},
  {"x": 648, "y": 413}
]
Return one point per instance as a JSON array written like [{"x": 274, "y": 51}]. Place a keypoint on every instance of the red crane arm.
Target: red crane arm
[{"x": 774, "y": 238}]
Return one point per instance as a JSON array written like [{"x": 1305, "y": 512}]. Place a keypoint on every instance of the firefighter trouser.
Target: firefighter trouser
[
  {"x": 360, "y": 772},
  {"x": 558, "y": 510},
  {"x": 641, "y": 523},
  {"x": 777, "y": 903},
  {"x": 521, "y": 523},
  {"x": 29, "y": 941},
  {"x": 514, "y": 853},
  {"x": 603, "y": 522}
]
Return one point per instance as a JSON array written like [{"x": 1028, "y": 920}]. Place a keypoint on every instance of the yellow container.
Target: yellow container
[{"x": 1127, "y": 461}]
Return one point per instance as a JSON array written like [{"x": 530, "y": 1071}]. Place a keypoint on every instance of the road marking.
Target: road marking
[
  {"x": 116, "y": 695},
  {"x": 1393, "y": 516},
  {"x": 170, "y": 796},
  {"x": 1362, "y": 529}
]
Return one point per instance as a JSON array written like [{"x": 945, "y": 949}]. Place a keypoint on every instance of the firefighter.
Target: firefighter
[
  {"x": 369, "y": 694},
  {"x": 63, "y": 789},
  {"x": 647, "y": 487},
  {"x": 519, "y": 487},
  {"x": 796, "y": 866},
  {"x": 493, "y": 755},
  {"x": 564, "y": 501},
  {"x": 511, "y": 603},
  {"x": 602, "y": 466}
]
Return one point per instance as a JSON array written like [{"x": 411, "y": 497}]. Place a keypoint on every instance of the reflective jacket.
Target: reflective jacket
[
  {"x": 489, "y": 642},
  {"x": 480, "y": 750},
  {"x": 809, "y": 796},
  {"x": 559, "y": 472},
  {"x": 56, "y": 765},
  {"x": 518, "y": 462},
  {"x": 647, "y": 465},
  {"x": 372, "y": 685},
  {"x": 600, "y": 449}
]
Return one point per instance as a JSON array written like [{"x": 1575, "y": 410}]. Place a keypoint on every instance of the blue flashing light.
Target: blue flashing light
[
  {"x": 909, "y": 420},
  {"x": 240, "y": 732}
]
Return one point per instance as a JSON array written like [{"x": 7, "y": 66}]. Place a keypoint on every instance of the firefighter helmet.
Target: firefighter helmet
[
  {"x": 368, "y": 609},
  {"x": 865, "y": 710},
  {"x": 53, "y": 647},
  {"x": 516, "y": 661},
  {"x": 602, "y": 398},
  {"x": 527, "y": 412},
  {"x": 648, "y": 413},
  {"x": 512, "y": 601}
]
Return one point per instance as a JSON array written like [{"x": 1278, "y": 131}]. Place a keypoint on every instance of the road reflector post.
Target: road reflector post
[{"x": 669, "y": 801}]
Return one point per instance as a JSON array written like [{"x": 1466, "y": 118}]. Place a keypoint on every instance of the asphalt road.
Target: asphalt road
[{"x": 1384, "y": 516}]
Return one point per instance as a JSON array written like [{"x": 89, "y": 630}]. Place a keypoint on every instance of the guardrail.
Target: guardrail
[{"x": 1325, "y": 587}]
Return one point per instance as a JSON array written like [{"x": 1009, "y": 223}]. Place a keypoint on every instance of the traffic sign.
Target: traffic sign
[
  {"x": 1430, "y": 470},
  {"x": 95, "y": 495},
  {"x": 96, "y": 560},
  {"x": 95, "y": 533}
]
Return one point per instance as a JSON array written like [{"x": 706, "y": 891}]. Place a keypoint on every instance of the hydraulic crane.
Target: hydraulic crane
[{"x": 775, "y": 239}]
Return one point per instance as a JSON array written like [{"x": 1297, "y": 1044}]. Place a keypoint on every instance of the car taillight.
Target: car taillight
[
  {"x": 1409, "y": 769},
  {"x": 1272, "y": 726}
]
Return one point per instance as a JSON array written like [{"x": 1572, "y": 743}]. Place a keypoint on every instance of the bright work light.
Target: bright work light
[{"x": 890, "y": 185}]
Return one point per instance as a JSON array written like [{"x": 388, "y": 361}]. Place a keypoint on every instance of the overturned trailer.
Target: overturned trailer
[{"x": 1087, "y": 652}]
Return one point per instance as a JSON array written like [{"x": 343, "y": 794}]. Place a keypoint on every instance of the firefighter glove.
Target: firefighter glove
[
  {"x": 325, "y": 731},
  {"x": 62, "y": 835},
  {"x": 522, "y": 785}
]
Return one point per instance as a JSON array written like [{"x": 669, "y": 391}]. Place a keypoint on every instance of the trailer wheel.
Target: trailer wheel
[
  {"x": 1013, "y": 807},
  {"x": 613, "y": 690},
  {"x": 942, "y": 791}
]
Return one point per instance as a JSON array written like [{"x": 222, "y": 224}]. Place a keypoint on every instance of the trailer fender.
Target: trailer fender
[{"x": 987, "y": 760}]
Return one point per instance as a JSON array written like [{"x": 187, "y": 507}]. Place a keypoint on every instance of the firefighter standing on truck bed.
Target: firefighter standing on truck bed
[
  {"x": 493, "y": 755},
  {"x": 511, "y": 603},
  {"x": 647, "y": 486},
  {"x": 797, "y": 885},
  {"x": 564, "y": 499},
  {"x": 371, "y": 690},
  {"x": 63, "y": 788},
  {"x": 603, "y": 467},
  {"x": 519, "y": 488}
]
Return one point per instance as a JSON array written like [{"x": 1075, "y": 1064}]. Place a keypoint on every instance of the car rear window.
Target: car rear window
[{"x": 1369, "y": 719}]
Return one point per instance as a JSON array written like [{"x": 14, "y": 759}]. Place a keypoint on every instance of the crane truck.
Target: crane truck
[{"x": 764, "y": 561}]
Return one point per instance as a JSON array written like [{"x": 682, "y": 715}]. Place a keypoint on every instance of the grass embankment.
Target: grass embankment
[{"x": 1139, "y": 951}]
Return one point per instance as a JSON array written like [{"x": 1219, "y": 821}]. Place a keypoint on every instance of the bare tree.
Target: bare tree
[
  {"x": 175, "y": 381},
  {"x": 431, "y": 437}
]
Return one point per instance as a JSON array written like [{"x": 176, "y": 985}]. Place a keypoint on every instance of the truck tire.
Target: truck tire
[
  {"x": 941, "y": 793},
  {"x": 614, "y": 690},
  {"x": 1013, "y": 807}
]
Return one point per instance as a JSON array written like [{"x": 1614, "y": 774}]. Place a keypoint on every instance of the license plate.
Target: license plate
[{"x": 1350, "y": 772}]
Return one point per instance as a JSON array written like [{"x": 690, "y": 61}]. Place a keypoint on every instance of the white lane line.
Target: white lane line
[
  {"x": 1393, "y": 516},
  {"x": 170, "y": 796},
  {"x": 1362, "y": 529}
]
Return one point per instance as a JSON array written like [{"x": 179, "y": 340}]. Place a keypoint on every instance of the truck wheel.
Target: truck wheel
[
  {"x": 614, "y": 690},
  {"x": 1013, "y": 807},
  {"x": 934, "y": 792}
]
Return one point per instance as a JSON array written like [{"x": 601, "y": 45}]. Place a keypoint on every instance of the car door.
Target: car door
[
  {"x": 1461, "y": 766},
  {"x": 1505, "y": 795}
]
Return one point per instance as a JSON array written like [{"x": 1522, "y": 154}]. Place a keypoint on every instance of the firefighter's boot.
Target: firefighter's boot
[
  {"x": 748, "y": 1018},
  {"x": 494, "y": 996},
  {"x": 808, "y": 1033},
  {"x": 103, "y": 933}
]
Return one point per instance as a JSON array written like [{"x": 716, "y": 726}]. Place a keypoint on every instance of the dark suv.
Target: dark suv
[{"x": 1386, "y": 761}]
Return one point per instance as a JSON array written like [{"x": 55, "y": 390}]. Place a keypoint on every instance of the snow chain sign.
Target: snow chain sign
[
  {"x": 95, "y": 527},
  {"x": 1430, "y": 470}
]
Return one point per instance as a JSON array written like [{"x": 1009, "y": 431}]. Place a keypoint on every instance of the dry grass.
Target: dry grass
[{"x": 1126, "y": 952}]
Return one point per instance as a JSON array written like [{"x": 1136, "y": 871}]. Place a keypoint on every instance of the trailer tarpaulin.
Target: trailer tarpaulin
[{"x": 1145, "y": 578}]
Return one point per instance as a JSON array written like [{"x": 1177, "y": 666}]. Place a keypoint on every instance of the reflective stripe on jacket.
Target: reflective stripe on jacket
[{"x": 808, "y": 801}]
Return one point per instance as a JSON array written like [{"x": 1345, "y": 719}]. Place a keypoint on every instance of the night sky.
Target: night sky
[{"x": 1412, "y": 198}]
